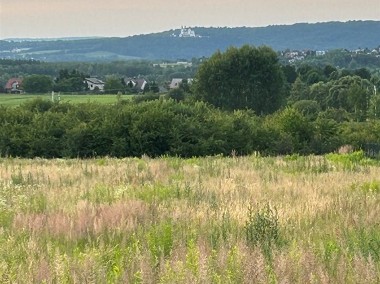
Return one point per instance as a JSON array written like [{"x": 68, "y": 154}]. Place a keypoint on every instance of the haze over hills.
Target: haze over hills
[{"x": 197, "y": 42}]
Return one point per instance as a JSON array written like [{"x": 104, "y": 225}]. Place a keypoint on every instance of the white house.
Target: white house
[
  {"x": 176, "y": 82},
  {"x": 320, "y": 53},
  {"x": 94, "y": 84}
]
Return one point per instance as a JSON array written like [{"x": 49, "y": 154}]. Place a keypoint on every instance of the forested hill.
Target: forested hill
[{"x": 168, "y": 45}]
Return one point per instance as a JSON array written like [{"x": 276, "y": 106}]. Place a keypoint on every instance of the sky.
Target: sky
[{"x": 121, "y": 18}]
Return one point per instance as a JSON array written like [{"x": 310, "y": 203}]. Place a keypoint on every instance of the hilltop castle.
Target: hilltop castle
[{"x": 186, "y": 32}]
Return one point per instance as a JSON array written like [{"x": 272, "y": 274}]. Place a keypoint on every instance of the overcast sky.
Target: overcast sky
[{"x": 72, "y": 18}]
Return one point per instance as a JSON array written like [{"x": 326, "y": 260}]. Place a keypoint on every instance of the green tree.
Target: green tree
[
  {"x": 358, "y": 99},
  {"x": 338, "y": 115},
  {"x": 299, "y": 91},
  {"x": 303, "y": 70},
  {"x": 185, "y": 86},
  {"x": 326, "y": 136},
  {"x": 328, "y": 70},
  {"x": 364, "y": 73},
  {"x": 313, "y": 77},
  {"x": 374, "y": 106},
  {"x": 70, "y": 81},
  {"x": 319, "y": 93},
  {"x": 153, "y": 87},
  {"x": 290, "y": 73},
  {"x": 37, "y": 84},
  {"x": 296, "y": 127},
  {"x": 240, "y": 78},
  {"x": 176, "y": 94},
  {"x": 351, "y": 93},
  {"x": 113, "y": 85},
  {"x": 308, "y": 108}
]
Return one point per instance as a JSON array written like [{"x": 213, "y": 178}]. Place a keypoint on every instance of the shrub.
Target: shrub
[
  {"x": 262, "y": 228},
  {"x": 350, "y": 161},
  {"x": 160, "y": 240},
  {"x": 146, "y": 97}
]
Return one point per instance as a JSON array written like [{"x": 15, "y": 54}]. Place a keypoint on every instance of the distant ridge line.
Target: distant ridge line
[{"x": 163, "y": 45}]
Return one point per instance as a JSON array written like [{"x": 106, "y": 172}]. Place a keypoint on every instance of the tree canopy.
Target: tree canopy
[
  {"x": 240, "y": 78},
  {"x": 37, "y": 84},
  {"x": 113, "y": 85},
  {"x": 70, "y": 81}
]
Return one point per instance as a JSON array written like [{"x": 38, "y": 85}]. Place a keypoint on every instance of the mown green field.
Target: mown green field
[
  {"x": 17, "y": 99},
  {"x": 218, "y": 219}
]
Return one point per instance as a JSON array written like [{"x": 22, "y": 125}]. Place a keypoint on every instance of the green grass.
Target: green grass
[{"x": 16, "y": 99}]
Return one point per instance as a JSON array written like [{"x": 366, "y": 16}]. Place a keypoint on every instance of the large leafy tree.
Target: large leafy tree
[
  {"x": 351, "y": 93},
  {"x": 37, "y": 84},
  {"x": 113, "y": 85},
  {"x": 70, "y": 81},
  {"x": 299, "y": 91},
  {"x": 240, "y": 78}
]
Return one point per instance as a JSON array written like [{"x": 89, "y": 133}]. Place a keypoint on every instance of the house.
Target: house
[
  {"x": 136, "y": 84},
  {"x": 14, "y": 86},
  {"x": 176, "y": 82},
  {"x": 320, "y": 53},
  {"x": 94, "y": 84}
]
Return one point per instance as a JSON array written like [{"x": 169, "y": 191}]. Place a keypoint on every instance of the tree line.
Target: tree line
[{"x": 40, "y": 128}]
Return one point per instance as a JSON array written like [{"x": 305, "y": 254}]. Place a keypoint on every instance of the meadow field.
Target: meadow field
[
  {"x": 252, "y": 219},
  {"x": 18, "y": 99}
]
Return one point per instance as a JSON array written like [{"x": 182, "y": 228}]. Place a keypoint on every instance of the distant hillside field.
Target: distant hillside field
[{"x": 200, "y": 42}]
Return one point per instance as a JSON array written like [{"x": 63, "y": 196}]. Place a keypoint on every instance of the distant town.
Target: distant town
[{"x": 293, "y": 56}]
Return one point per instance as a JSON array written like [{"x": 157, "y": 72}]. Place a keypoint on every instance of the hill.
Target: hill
[{"x": 203, "y": 42}]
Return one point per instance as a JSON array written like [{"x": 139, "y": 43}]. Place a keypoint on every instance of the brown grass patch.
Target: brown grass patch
[{"x": 87, "y": 219}]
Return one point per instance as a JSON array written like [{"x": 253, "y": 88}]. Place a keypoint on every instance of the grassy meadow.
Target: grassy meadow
[
  {"x": 251, "y": 219},
  {"x": 13, "y": 100}
]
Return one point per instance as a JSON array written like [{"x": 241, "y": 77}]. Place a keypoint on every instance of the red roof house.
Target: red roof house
[{"x": 14, "y": 86}]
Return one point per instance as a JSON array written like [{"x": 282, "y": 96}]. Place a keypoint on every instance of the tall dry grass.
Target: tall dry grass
[{"x": 172, "y": 220}]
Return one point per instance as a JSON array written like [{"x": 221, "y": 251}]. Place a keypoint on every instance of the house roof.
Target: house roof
[
  {"x": 138, "y": 84},
  {"x": 11, "y": 81},
  {"x": 177, "y": 81},
  {"x": 94, "y": 81}
]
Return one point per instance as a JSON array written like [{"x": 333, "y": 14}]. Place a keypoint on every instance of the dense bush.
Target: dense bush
[{"x": 165, "y": 127}]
